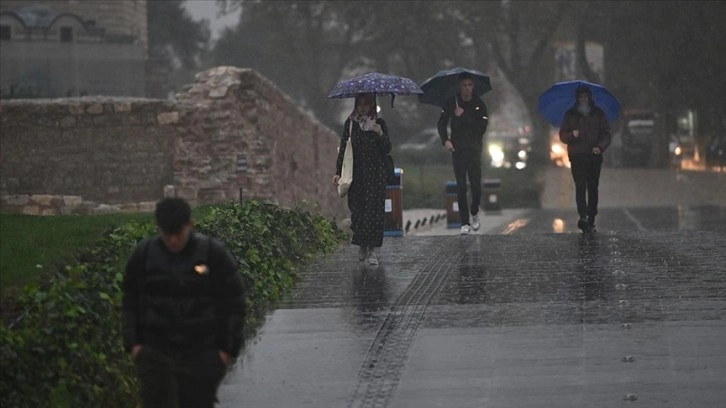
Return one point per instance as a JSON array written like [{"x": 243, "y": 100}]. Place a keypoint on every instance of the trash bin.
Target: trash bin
[
  {"x": 491, "y": 192},
  {"x": 393, "y": 218},
  {"x": 452, "y": 206}
]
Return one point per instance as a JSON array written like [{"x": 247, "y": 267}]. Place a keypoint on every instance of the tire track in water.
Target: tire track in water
[{"x": 382, "y": 367}]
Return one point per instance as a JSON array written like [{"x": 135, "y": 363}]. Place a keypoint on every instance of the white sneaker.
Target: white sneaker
[
  {"x": 362, "y": 253},
  {"x": 475, "y": 224},
  {"x": 465, "y": 230},
  {"x": 372, "y": 258}
]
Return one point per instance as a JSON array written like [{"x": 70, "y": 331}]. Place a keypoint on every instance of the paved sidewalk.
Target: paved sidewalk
[
  {"x": 520, "y": 320},
  {"x": 528, "y": 312}
]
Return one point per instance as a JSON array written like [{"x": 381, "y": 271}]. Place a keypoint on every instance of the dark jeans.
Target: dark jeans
[
  {"x": 467, "y": 163},
  {"x": 179, "y": 379},
  {"x": 586, "y": 173}
]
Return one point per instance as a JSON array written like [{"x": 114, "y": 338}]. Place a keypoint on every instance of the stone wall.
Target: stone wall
[
  {"x": 290, "y": 155},
  {"x": 119, "y": 154},
  {"x": 107, "y": 150}
]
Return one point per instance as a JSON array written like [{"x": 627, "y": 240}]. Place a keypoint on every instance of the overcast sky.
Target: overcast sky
[{"x": 200, "y": 9}]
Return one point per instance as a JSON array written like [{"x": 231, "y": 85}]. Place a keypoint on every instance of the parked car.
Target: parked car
[
  {"x": 715, "y": 154},
  {"x": 638, "y": 136},
  {"x": 507, "y": 151},
  {"x": 424, "y": 139},
  {"x": 558, "y": 150},
  {"x": 675, "y": 151}
]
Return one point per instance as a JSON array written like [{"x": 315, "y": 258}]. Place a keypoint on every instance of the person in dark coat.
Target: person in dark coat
[
  {"x": 586, "y": 132},
  {"x": 183, "y": 309},
  {"x": 469, "y": 119},
  {"x": 367, "y": 193}
]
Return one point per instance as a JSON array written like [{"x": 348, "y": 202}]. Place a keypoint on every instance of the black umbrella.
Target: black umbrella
[{"x": 444, "y": 84}]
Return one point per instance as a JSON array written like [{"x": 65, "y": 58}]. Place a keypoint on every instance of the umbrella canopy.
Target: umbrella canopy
[
  {"x": 377, "y": 83},
  {"x": 560, "y": 97},
  {"x": 444, "y": 84}
]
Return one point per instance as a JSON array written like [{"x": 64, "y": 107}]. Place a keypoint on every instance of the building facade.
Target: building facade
[{"x": 59, "y": 48}]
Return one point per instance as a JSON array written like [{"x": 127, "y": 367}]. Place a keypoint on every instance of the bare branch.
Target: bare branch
[{"x": 545, "y": 40}]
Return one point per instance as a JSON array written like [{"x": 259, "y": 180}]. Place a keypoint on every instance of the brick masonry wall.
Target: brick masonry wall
[
  {"x": 119, "y": 154},
  {"x": 290, "y": 155},
  {"x": 109, "y": 150}
]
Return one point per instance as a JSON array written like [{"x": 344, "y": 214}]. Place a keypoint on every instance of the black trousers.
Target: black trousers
[
  {"x": 586, "y": 173},
  {"x": 467, "y": 164},
  {"x": 179, "y": 379}
]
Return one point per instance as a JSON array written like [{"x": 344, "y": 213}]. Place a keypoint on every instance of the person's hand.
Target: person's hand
[
  {"x": 596, "y": 150},
  {"x": 378, "y": 129},
  {"x": 459, "y": 111},
  {"x": 449, "y": 146},
  {"x": 336, "y": 178},
  {"x": 135, "y": 350},
  {"x": 225, "y": 357},
  {"x": 576, "y": 133}
]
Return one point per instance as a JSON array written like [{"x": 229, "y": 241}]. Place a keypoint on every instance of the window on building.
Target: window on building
[
  {"x": 5, "y": 32},
  {"x": 66, "y": 34}
]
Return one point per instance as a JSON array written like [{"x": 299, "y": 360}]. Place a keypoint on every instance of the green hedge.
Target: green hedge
[{"x": 66, "y": 351}]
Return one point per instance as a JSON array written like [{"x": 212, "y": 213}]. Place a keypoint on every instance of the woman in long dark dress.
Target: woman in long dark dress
[{"x": 367, "y": 193}]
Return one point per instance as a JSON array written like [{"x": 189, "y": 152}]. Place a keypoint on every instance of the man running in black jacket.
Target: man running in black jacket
[
  {"x": 469, "y": 121},
  {"x": 182, "y": 310}
]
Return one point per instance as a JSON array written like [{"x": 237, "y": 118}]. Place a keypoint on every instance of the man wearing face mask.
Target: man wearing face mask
[
  {"x": 586, "y": 132},
  {"x": 183, "y": 309}
]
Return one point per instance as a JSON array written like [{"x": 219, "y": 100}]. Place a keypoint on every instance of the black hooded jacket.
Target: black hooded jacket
[
  {"x": 467, "y": 130},
  {"x": 594, "y": 130},
  {"x": 191, "y": 300}
]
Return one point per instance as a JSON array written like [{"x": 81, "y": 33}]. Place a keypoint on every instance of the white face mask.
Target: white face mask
[{"x": 584, "y": 108}]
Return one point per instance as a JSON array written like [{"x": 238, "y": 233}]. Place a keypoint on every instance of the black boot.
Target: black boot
[
  {"x": 584, "y": 224},
  {"x": 591, "y": 222}
]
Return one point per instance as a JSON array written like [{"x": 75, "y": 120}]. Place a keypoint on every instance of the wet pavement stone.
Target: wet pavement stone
[{"x": 632, "y": 315}]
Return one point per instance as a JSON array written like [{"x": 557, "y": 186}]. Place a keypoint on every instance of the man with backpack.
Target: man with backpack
[{"x": 182, "y": 311}]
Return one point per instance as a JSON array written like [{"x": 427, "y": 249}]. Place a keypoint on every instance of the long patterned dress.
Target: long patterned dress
[{"x": 367, "y": 193}]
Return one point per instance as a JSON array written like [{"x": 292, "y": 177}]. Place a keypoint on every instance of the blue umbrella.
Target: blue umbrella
[
  {"x": 560, "y": 97},
  {"x": 444, "y": 84},
  {"x": 377, "y": 83}
]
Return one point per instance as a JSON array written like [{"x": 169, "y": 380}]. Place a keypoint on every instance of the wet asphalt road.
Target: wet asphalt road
[{"x": 528, "y": 313}]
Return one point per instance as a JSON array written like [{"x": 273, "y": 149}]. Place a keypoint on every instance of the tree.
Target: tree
[
  {"x": 519, "y": 36},
  {"x": 670, "y": 60},
  {"x": 306, "y": 47},
  {"x": 174, "y": 36}
]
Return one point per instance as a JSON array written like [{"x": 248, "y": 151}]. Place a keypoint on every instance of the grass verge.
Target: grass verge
[
  {"x": 65, "y": 350},
  {"x": 32, "y": 246}
]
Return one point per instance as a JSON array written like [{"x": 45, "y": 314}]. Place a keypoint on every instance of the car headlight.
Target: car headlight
[{"x": 497, "y": 155}]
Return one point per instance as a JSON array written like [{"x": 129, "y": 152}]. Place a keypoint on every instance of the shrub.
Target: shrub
[{"x": 67, "y": 349}]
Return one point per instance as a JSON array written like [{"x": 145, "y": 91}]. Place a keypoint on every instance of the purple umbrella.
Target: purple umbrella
[{"x": 377, "y": 83}]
